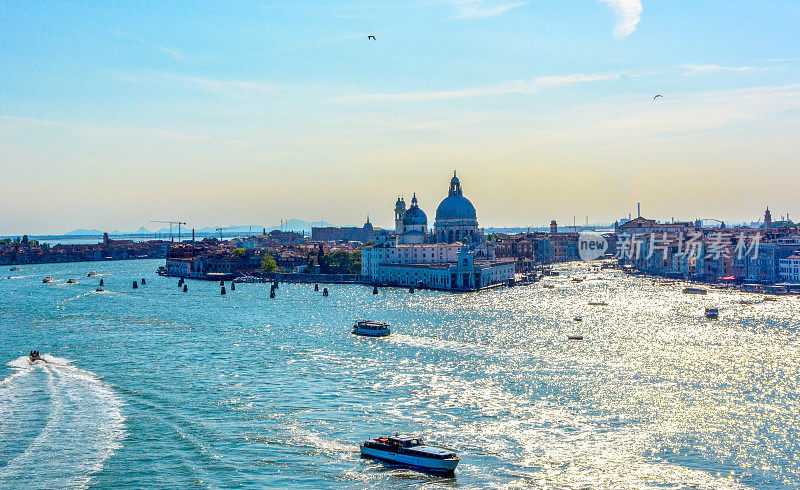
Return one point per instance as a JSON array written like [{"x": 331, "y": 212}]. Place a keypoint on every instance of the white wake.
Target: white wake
[{"x": 58, "y": 424}]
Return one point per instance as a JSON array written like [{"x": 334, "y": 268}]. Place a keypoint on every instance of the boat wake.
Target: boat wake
[{"x": 58, "y": 424}]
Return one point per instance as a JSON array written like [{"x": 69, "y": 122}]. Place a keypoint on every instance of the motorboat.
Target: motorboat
[
  {"x": 412, "y": 452},
  {"x": 48, "y": 279},
  {"x": 371, "y": 329},
  {"x": 598, "y": 303},
  {"x": 13, "y": 269},
  {"x": 548, "y": 286},
  {"x": 578, "y": 319},
  {"x": 694, "y": 291},
  {"x": 34, "y": 356},
  {"x": 574, "y": 337},
  {"x": 712, "y": 312},
  {"x": 91, "y": 274},
  {"x": 71, "y": 281}
]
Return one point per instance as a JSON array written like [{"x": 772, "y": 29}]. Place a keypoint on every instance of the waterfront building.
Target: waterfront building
[
  {"x": 790, "y": 268},
  {"x": 457, "y": 255}
]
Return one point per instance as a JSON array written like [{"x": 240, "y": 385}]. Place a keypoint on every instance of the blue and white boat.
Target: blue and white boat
[
  {"x": 412, "y": 452},
  {"x": 371, "y": 329}
]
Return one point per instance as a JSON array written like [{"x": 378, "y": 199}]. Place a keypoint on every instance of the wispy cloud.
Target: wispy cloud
[
  {"x": 716, "y": 68},
  {"x": 220, "y": 85},
  {"x": 224, "y": 86},
  {"x": 628, "y": 13},
  {"x": 470, "y": 9},
  {"x": 174, "y": 53},
  {"x": 512, "y": 87},
  {"x": 11, "y": 124}
]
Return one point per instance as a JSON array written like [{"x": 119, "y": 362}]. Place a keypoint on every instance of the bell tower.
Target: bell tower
[{"x": 399, "y": 214}]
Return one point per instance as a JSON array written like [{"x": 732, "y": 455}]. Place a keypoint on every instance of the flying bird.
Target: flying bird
[
  {"x": 657, "y": 96},
  {"x": 371, "y": 37}
]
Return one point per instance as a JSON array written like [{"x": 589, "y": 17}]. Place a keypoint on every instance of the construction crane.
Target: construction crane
[
  {"x": 221, "y": 229},
  {"x": 171, "y": 224}
]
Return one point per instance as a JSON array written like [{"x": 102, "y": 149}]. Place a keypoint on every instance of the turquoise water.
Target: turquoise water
[{"x": 154, "y": 387}]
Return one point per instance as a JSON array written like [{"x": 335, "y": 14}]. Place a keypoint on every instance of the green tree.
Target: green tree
[
  {"x": 268, "y": 264},
  {"x": 341, "y": 262},
  {"x": 239, "y": 252}
]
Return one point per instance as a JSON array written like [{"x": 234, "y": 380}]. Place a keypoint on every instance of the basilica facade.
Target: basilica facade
[{"x": 454, "y": 255}]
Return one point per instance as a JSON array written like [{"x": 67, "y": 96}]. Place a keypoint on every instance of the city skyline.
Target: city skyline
[{"x": 117, "y": 115}]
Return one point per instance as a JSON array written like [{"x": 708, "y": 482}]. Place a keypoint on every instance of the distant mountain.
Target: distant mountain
[
  {"x": 296, "y": 225},
  {"x": 299, "y": 225},
  {"x": 84, "y": 232}
]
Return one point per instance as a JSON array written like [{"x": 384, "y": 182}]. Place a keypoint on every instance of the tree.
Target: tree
[
  {"x": 341, "y": 262},
  {"x": 239, "y": 252},
  {"x": 268, "y": 264}
]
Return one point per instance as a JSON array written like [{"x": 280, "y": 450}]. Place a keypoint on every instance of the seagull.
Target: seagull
[
  {"x": 371, "y": 37},
  {"x": 657, "y": 96}
]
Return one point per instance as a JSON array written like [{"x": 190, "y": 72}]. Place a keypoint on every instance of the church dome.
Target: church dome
[
  {"x": 455, "y": 205},
  {"x": 414, "y": 215}
]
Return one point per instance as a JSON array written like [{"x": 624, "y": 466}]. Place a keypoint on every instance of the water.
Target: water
[{"x": 154, "y": 387}]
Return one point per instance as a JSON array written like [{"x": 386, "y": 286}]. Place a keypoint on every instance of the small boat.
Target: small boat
[
  {"x": 48, "y": 279},
  {"x": 412, "y": 452},
  {"x": 577, "y": 279},
  {"x": 34, "y": 356},
  {"x": 371, "y": 329},
  {"x": 14, "y": 269},
  {"x": 98, "y": 290},
  {"x": 91, "y": 274},
  {"x": 578, "y": 319},
  {"x": 574, "y": 337},
  {"x": 694, "y": 291},
  {"x": 598, "y": 303},
  {"x": 548, "y": 286},
  {"x": 712, "y": 312},
  {"x": 71, "y": 281},
  {"x": 770, "y": 298}
]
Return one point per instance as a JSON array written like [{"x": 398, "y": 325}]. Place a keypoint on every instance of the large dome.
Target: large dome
[{"x": 456, "y": 206}]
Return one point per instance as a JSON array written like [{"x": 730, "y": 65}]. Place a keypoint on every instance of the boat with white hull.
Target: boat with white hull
[
  {"x": 412, "y": 452},
  {"x": 371, "y": 329}
]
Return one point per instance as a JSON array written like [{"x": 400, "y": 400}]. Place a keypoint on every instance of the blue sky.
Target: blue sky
[{"x": 247, "y": 112}]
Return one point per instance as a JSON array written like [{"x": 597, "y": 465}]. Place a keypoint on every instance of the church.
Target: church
[{"x": 455, "y": 255}]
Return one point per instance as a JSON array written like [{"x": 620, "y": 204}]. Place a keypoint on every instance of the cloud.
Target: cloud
[
  {"x": 229, "y": 87},
  {"x": 9, "y": 124},
  {"x": 512, "y": 87},
  {"x": 716, "y": 68},
  {"x": 217, "y": 85},
  {"x": 470, "y": 9},
  {"x": 628, "y": 13}
]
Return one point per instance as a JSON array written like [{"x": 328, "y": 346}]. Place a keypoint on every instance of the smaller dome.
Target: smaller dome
[{"x": 415, "y": 216}]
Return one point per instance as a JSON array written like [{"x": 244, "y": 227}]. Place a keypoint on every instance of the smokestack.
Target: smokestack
[{"x": 639, "y": 209}]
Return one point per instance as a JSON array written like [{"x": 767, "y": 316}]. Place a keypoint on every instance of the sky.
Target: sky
[{"x": 113, "y": 114}]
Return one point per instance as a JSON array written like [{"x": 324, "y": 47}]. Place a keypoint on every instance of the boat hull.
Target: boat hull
[
  {"x": 427, "y": 464},
  {"x": 372, "y": 333}
]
